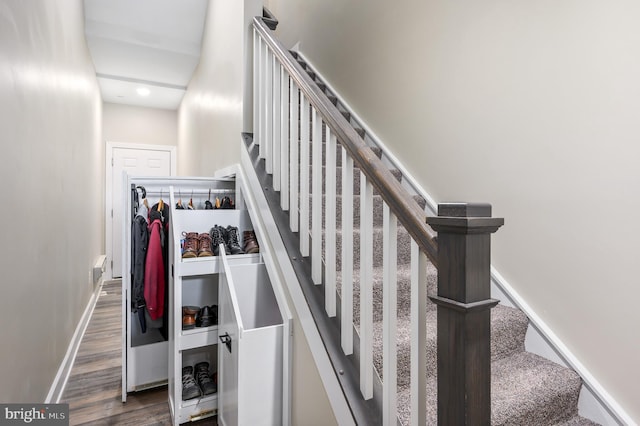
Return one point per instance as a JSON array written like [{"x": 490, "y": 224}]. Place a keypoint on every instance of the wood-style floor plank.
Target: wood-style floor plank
[{"x": 94, "y": 388}]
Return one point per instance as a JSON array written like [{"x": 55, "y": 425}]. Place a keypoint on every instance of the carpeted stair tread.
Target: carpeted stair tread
[
  {"x": 528, "y": 389},
  {"x": 508, "y": 330}
]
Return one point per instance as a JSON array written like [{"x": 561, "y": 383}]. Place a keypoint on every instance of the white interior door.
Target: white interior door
[{"x": 136, "y": 161}]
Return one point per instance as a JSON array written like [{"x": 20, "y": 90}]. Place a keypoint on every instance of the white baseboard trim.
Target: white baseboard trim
[
  {"x": 60, "y": 381},
  {"x": 595, "y": 402}
]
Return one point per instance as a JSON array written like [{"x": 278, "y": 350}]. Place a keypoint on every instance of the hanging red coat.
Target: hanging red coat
[{"x": 154, "y": 272}]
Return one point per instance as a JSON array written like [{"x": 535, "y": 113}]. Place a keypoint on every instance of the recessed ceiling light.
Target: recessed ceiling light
[{"x": 143, "y": 91}]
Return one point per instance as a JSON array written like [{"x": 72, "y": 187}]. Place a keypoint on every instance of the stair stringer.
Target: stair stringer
[
  {"x": 273, "y": 248},
  {"x": 595, "y": 403}
]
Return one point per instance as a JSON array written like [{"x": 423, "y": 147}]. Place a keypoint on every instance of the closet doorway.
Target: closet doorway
[{"x": 135, "y": 160}]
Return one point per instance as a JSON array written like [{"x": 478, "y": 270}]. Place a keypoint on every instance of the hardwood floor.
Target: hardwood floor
[{"x": 93, "y": 390}]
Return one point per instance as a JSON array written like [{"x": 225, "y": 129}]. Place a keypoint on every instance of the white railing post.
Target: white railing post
[
  {"x": 366, "y": 287},
  {"x": 262, "y": 82},
  {"x": 268, "y": 105},
  {"x": 256, "y": 94},
  {"x": 316, "y": 204},
  {"x": 389, "y": 317},
  {"x": 284, "y": 145},
  {"x": 418, "y": 336},
  {"x": 347, "y": 254},
  {"x": 304, "y": 175},
  {"x": 277, "y": 140},
  {"x": 330, "y": 225},
  {"x": 294, "y": 106}
]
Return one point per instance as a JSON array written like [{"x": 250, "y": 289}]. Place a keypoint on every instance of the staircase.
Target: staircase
[{"x": 526, "y": 389}]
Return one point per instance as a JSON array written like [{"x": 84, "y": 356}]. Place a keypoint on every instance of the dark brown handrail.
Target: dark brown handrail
[{"x": 401, "y": 203}]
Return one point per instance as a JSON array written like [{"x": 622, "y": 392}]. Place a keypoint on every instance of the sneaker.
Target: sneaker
[
  {"x": 217, "y": 234},
  {"x": 204, "y": 379},
  {"x": 226, "y": 203},
  {"x": 250, "y": 242},
  {"x": 189, "y": 317},
  {"x": 232, "y": 240},
  {"x": 205, "y": 317},
  {"x": 190, "y": 388},
  {"x": 204, "y": 245},
  {"x": 190, "y": 246}
]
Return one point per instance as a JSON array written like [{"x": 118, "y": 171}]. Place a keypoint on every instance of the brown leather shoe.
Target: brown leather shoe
[
  {"x": 191, "y": 246},
  {"x": 250, "y": 242},
  {"x": 189, "y": 316},
  {"x": 205, "y": 245}
]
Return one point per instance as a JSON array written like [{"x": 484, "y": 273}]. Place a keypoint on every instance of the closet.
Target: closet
[{"x": 243, "y": 347}]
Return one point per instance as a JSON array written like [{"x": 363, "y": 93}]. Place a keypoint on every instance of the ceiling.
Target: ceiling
[{"x": 152, "y": 44}]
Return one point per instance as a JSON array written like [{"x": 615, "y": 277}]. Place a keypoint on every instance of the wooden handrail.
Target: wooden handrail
[{"x": 401, "y": 203}]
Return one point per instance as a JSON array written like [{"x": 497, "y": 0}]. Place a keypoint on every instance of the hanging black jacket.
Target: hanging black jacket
[{"x": 139, "y": 243}]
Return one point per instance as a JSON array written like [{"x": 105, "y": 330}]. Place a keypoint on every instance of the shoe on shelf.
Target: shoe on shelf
[
  {"x": 208, "y": 205},
  {"x": 204, "y": 245},
  {"x": 205, "y": 317},
  {"x": 250, "y": 242},
  {"x": 190, "y": 388},
  {"x": 204, "y": 379},
  {"x": 190, "y": 246},
  {"x": 227, "y": 203},
  {"x": 217, "y": 234},
  {"x": 232, "y": 240},
  {"x": 189, "y": 317},
  {"x": 214, "y": 314}
]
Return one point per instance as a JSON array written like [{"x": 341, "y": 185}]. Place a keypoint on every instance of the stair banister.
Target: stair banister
[
  {"x": 397, "y": 197},
  {"x": 464, "y": 304},
  {"x": 461, "y": 253}
]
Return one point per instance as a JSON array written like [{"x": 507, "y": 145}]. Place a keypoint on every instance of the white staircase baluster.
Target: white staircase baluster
[
  {"x": 347, "y": 255},
  {"x": 304, "y": 175},
  {"x": 389, "y": 317},
  {"x": 262, "y": 82},
  {"x": 294, "y": 106},
  {"x": 366, "y": 287},
  {"x": 330, "y": 225},
  {"x": 256, "y": 96},
  {"x": 316, "y": 202},
  {"x": 418, "y": 336},
  {"x": 268, "y": 149},
  {"x": 284, "y": 136},
  {"x": 277, "y": 140}
]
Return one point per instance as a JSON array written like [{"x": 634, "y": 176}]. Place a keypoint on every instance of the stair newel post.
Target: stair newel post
[{"x": 464, "y": 312}]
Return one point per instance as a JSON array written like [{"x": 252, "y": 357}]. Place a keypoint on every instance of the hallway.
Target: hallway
[{"x": 93, "y": 390}]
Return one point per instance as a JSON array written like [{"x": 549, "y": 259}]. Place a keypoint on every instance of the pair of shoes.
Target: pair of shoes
[
  {"x": 228, "y": 237},
  {"x": 207, "y": 316},
  {"x": 189, "y": 316},
  {"x": 197, "y": 381},
  {"x": 250, "y": 242},
  {"x": 196, "y": 245}
]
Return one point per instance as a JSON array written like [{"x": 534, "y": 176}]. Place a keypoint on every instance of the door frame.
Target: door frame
[{"x": 108, "y": 205}]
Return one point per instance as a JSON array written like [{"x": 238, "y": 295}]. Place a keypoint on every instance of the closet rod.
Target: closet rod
[{"x": 189, "y": 192}]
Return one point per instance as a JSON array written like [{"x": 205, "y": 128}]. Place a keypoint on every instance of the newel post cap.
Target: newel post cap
[{"x": 465, "y": 218}]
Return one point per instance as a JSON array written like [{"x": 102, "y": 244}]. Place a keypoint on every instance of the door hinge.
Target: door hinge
[
  {"x": 112, "y": 213},
  {"x": 112, "y": 164}
]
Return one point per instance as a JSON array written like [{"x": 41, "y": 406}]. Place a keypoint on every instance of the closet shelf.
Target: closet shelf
[
  {"x": 198, "y": 337},
  {"x": 211, "y": 265}
]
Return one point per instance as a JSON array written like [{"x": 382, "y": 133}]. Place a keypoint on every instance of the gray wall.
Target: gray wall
[
  {"x": 52, "y": 178},
  {"x": 139, "y": 125},
  {"x": 531, "y": 106}
]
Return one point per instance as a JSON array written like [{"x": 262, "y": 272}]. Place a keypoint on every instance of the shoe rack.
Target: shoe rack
[{"x": 198, "y": 281}]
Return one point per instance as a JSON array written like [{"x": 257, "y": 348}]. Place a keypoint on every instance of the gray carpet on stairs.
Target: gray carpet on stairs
[{"x": 526, "y": 389}]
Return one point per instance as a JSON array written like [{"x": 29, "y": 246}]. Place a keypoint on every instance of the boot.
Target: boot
[
  {"x": 204, "y": 241},
  {"x": 204, "y": 379},
  {"x": 226, "y": 203},
  {"x": 217, "y": 237},
  {"x": 232, "y": 240},
  {"x": 205, "y": 317},
  {"x": 190, "y": 389},
  {"x": 250, "y": 242},
  {"x": 190, "y": 246}
]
